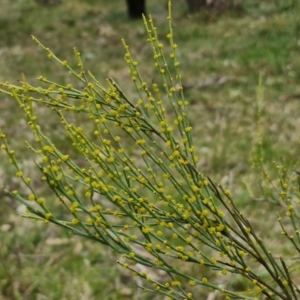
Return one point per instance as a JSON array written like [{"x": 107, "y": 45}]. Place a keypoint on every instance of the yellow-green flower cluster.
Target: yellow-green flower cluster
[{"x": 153, "y": 198}]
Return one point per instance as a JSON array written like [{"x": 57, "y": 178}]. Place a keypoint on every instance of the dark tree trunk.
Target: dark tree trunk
[
  {"x": 136, "y": 8},
  {"x": 195, "y": 5}
]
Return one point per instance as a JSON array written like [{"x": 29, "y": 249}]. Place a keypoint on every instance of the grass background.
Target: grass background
[{"x": 44, "y": 262}]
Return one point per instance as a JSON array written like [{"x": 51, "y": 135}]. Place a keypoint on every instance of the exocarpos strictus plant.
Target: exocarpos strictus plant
[{"x": 153, "y": 206}]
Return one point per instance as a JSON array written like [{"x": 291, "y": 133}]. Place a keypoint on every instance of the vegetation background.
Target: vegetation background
[{"x": 222, "y": 54}]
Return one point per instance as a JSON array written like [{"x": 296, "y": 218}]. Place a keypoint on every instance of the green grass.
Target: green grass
[{"x": 238, "y": 45}]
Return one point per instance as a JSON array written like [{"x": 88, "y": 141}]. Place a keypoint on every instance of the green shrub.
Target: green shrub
[{"x": 149, "y": 202}]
